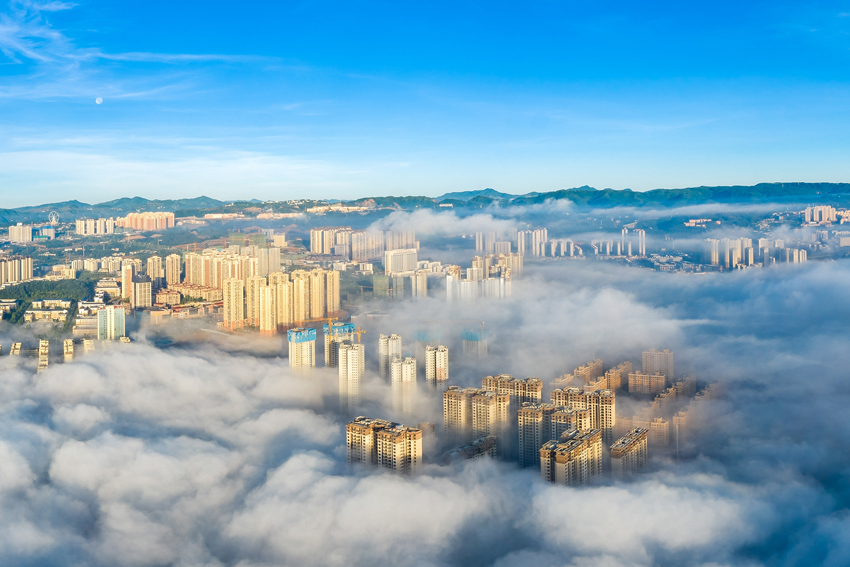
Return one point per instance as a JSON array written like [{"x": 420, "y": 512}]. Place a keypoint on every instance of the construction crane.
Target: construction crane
[{"x": 329, "y": 321}]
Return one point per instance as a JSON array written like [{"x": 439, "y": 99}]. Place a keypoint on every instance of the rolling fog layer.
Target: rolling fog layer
[{"x": 212, "y": 456}]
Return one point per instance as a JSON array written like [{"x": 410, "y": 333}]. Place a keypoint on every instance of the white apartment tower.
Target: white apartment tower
[
  {"x": 436, "y": 364},
  {"x": 302, "y": 347},
  {"x": 403, "y": 373},
  {"x": 389, "y": 346},
  {"x": 352, "y": 362}
]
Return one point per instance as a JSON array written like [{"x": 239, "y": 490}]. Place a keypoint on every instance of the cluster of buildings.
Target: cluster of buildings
[
  {"x": 15, "y": 269},
  {"x": 95, "y": 227},
  {"x": 391, "y": 446},
  {"x": 359, "y": 245},
  {"x": 42, "y": 351},
  {"x": 741, "y": 253},
  {"x": 489, "y": 277},
  {"x": 280, "y": 300},
  {"x": 146, "y": 221}
]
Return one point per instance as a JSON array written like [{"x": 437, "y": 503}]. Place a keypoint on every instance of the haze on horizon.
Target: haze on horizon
[{"x": 332, "y": 100}]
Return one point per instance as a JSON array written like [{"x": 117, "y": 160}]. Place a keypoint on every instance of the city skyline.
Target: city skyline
[{"x": 314, "y": 283}]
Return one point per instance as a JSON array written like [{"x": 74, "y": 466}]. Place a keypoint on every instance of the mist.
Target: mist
[{"x": 212, "y": 452}]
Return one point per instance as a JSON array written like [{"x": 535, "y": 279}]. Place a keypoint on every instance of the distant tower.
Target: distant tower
[
  {"x": 475, "y": 343},
  {"x": 302, "y": 347},
  {"x": 436, "y": 365},
  {"x": 388, "y": 347},
  {"x": 351, "y": 364},
  {"x": 403, "y": 383},
  {"x": 658, "y": 361},
  {"x": 334, "y": 335}
]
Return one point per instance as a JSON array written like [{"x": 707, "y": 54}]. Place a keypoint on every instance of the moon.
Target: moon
[{"x": 98, "y": 100}]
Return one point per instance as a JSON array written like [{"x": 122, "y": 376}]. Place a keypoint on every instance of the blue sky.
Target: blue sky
[{"x": 278, "y": 100}]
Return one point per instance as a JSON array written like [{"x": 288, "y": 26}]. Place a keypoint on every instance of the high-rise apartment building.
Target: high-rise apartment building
[
  {"x": 146, "y": 221},
  {"x": 617, "y": 376},
  {"x": 491, "y": 416},
  {"x": 475, "y": 343},
  {"x": 252, "y": 300},
  {"x": 389, "y": 346},
  {"x": 142, "y": 295},
  {"x": 589, "y": 372},
  {"x": 234, "y": 303},
  {"x": 267, "y": 310},
  {"x": 336, "y": 334},
  {"x": 470, "y": 413},
  {"x": 127, "y": 273},
  {"x": 643, "y": 383},
  {"x": 302, "y": 347},
  {"x": 154, "y": 270},
  {"x": 95, "y": 227},
  {"x": 457, "y": 413},
  {"x": 535, "y": 428},
  {"x": 388, "y": 445},
  {"x": 436, "y": 364},
  {"x": 20, "y": 233},
  {"x": 602, "y": 405},
  {"x": 629, "y": 453},
  {"x": 520, "y": 390},
  {"x": 110, "y": 323},
  {"x": 15, "y": 269},
  {"x": 403, "y": 380},
  {"x": 658, "y": 361},
  {"x": 574, "y": 459},
  {"x": 332, "y": 294},
  {"x": 352, "y": 362},
  {"x": 400, "y": 261}
]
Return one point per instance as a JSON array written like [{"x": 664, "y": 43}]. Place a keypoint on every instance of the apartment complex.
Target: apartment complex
[
  {"x": 629, "y": 453},
  {"x": 389, "y": 346},
  {"x": 436, "y": 364},
  {"x": 95, "y": 227},
  {"x": 574, "y": 459},
  {"x": 302, "y": 347},
  {"x": 389, "y": 445},
  {"x": 146, "y": 221}
]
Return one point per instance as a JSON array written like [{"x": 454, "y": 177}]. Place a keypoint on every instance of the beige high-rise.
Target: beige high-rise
[
  {"x": 575, "y": 459},
  {"x": 154, "y": 268},
  {"x": 252, "y": 300},
  {"x": 173, "y": 268},
  {"x": 234, "y": 303},
  {"x": 267, "y": 310},
  {"x": 389, "y": 445},
  {"x": 436, "y": 364},
  {"x": 629, "y": 453},
  {"x": 601, "y": 403},
  {"x": 658, "y": 361},
  {"x": 332, "y": 296},
  {"x": 400, "y": 449},
  {"x": 535, "y": 428},
  {"x": 643, "y": 383},
  {"x": 491, "y": 416},
  {"x": 519, "y": 390}
]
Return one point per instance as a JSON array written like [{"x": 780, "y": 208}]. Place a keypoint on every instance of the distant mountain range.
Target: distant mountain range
[{"x": 836, "y": 193}]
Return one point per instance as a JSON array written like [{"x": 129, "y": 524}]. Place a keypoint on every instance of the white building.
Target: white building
[
  {"x": 352, "y": 362},
  {"x": 436, "y": 364},
  {"x": 389, "y": 347},
  {"x": 400, "y": 261}
]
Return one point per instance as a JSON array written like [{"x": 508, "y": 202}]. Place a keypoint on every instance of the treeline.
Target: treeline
[{"x": 61, "y": 289}]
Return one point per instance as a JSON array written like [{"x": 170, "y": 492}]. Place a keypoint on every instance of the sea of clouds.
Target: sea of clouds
[{"x": 211, "y": 453}]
